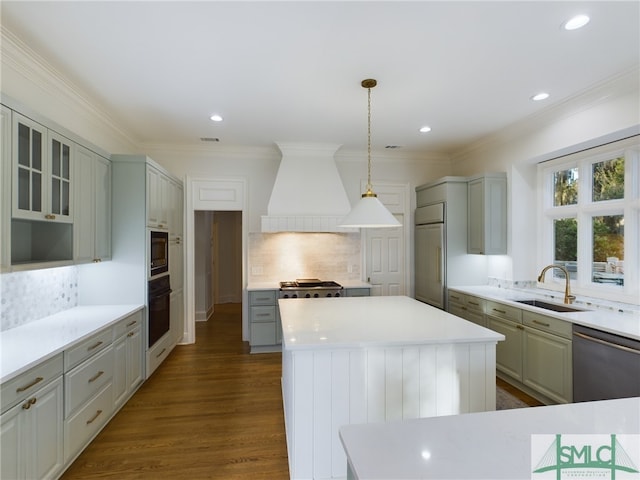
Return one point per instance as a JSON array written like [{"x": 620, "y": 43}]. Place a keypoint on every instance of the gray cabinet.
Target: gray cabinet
[
  {"x": 358, "y": 292},
  {"x": 31, "y": 433},
  {"x": 5, "y": 187},
  {"x": 487, "y": 214},
  {"x": 468, "y": 307},
  {"x": 264, "y": 318},
  {"x": 507, "y": 320},
  {"x": 92, "y": 223}
]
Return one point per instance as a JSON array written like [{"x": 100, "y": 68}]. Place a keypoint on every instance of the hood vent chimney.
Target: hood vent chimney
[{"x": 308, "y": 195}]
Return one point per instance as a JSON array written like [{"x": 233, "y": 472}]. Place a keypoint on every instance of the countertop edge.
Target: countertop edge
[{"x": 125, "y": 311}]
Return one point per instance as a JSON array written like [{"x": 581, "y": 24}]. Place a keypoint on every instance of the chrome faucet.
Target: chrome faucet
[{"x": 568, "y": 298}]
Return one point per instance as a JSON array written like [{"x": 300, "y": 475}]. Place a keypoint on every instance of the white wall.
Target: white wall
[{"x": 583, "y": 121}]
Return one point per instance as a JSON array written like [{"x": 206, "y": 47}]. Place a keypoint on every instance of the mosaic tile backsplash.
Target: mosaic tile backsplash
[{"x": 31, "y": 295}]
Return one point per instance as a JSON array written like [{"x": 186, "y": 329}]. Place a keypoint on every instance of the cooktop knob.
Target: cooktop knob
[
  {"x": 308, "y": 295},
  {"x": 315, "y": 295}
]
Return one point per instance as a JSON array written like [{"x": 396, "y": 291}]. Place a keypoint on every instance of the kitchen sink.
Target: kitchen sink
[{"x": 551, "y": 306}]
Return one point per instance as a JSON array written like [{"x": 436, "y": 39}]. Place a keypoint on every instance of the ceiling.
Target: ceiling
[{"x": 291, "y": 71}]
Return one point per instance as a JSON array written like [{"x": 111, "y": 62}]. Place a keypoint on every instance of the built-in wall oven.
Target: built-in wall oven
[{"x": 159, "y": 307}]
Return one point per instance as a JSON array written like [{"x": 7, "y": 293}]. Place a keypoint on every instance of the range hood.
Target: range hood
[{"x": 308, "y": 195}]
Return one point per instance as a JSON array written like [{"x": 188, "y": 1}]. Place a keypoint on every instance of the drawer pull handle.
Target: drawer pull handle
[
  {"x": 130, "y": 334},
  {"x": 263, "y": 315},
  {"x": 50, "y": 216},
  {"x": 95, "y": 345},
  {"x": 93, "y": 419},
  {"x": 161, "y": 352},
  {"x": 132, "y": 323},
  {"x": 454, "y": 297},
  {"x": 27, "y": 387},
  {"x": 27, "y": 404},
  {"x": 541, "y": 323},
  {"x": 96, "y": 376},
  {"x": 474, "y": 303},
  {"x": 500, "y": 311},
  {"x": 97, "y": 260},
  {"x": 519, "y": 327}
]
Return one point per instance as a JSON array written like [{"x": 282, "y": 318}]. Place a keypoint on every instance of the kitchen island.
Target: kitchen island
[
  {"x": 373, "y": 359},
  {"x": 507, "y": 444}
]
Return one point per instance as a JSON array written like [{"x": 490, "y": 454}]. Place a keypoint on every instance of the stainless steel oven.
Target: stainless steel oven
[
  {"x": 159, "y": 307},
  {"x": 158, "y": 253}
]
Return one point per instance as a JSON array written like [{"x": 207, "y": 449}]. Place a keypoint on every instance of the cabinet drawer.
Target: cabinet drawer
[
  {"x": 263, "y": 333},
  {"x": 86, "y": 379},
  {"x": 503, "y": 311},
  {"x": 358, "y": 292},
  {"x": 262, "y": 297},
  {"x": 127, "y": 324},
  {"x": 158, "y": 354},
  {"x": 263, "y": 314},
  {"x": 474, "y": 303},
  {"x": 88, "y": 421},
  {"x": 547, "y": 324},
  {"x": 455, "y": 297},
  {"x": 84, "y": 350},
  {"x": 26, "y": 384}
]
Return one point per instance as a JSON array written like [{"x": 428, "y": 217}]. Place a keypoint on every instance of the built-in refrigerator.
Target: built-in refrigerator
[{"x": 441, "y": 258}]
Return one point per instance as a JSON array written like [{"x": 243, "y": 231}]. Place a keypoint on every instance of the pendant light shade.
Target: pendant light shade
[{"x": 369, "y": 212}]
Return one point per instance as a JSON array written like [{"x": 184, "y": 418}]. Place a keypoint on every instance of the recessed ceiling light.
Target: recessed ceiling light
[
  {"x": 576, "y": 22},
  {"x": 425, "y": 129},
  {"x": 216, "y": 118},
  {"x": 540, "y": 96}
]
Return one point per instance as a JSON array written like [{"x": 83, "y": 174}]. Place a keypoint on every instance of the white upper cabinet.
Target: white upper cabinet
[
  {"x": 487, "y": 214},
  {"x": 42, "y": 176},
  {"x": 92, "y": 224}
]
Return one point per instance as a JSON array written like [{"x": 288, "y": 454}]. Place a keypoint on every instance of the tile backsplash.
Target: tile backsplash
[
  {"x": 275, "y": 257},
  {"x": 31, "y": 295}
]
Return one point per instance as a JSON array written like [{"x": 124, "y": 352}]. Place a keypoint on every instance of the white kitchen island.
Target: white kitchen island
[{"x": 374, "y": 359}]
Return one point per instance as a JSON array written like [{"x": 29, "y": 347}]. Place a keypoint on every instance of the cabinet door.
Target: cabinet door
[
  {"x": 46, "y": 432},
  {"x": 548, "y": 364},
  {"x": 429, "y": 261},
  {"x": 164, "y": 201},
  {"x": 29, "y": 169},
  {"x": 475, "y": 241},
  {"x": 120, "y": 370},
  {"x": 134, "y": 358},
  {"x": 509, "y": 351},
  {"x": 102, "y": 196},
  {"x": 60, "y": 177},
  {"x": 153, "y": 206},
  {"x": 177, "y": 315},
  {"x": 12, "y": 444},
  {"x": 83, "y": 228},
  {"x": 5, "y": 187}
]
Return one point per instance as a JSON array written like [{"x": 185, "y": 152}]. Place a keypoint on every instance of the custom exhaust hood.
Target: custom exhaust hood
[{"x": 308, "y": 194}]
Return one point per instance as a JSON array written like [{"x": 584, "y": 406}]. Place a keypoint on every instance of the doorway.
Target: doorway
[{"x": 217, "y": 260}]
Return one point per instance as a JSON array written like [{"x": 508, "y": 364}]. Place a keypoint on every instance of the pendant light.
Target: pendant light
[{"x": 369, "y": 212}]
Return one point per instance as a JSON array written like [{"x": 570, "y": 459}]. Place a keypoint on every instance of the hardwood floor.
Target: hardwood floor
[
  {"x": 530, "y": 401},
  {"x": 210, "y": 411}
]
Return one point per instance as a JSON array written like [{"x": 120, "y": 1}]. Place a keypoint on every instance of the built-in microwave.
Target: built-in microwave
[{"x": 158, "y": 253}]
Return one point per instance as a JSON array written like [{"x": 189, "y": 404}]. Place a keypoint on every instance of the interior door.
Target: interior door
[
  {"x": 429, "y": 259},
  {"x": 385, "y": 260}
]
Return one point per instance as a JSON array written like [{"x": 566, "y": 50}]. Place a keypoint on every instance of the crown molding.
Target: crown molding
[
  {"x": 618, "y": 85},
  {"x": 20, "y": 57}
]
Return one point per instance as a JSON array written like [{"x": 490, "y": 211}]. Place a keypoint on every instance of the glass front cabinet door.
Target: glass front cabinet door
[{"x": 42, "y": 173}]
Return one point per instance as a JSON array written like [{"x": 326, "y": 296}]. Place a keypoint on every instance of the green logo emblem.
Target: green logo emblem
[{"x": 585, "y": 457}]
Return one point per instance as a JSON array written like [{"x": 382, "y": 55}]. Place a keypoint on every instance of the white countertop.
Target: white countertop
[
  {"x": 27, "y": 345},
  {"x": 372, "y": 321},
  {"x": 489, "y": 445},
  {"x": 626, "y": 324}
]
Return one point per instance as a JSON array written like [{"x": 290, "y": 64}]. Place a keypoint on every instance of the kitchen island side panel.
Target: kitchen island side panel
[{"x": 325, "y": 389}]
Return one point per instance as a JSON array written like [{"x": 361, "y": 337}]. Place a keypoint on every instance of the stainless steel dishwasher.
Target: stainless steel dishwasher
[{"x": 605, "y": 365}]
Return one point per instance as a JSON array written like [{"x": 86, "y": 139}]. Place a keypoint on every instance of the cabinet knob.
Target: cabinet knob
[{"x": 50, "y": 216}]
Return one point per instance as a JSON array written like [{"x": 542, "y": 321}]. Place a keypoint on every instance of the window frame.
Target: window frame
[{"x": 584, "y": 211}]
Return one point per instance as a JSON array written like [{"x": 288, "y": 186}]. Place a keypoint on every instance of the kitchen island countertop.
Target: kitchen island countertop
[
  {"x": 27, "y": 345},
  {"x": 373, "y": 321},
  {"x": 625, "y": 323}
]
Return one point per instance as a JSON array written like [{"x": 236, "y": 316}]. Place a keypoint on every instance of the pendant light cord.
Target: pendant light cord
[{"x": 369, "y": 84}]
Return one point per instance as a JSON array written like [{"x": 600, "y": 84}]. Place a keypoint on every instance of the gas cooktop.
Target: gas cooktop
[{"x": 310, "y": 288}]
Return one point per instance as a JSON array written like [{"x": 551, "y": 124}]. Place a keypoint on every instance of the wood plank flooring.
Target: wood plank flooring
[{"x": 210, "y": 411}]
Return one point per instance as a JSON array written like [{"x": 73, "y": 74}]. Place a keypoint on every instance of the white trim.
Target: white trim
[{"x": 218, "y": 193}]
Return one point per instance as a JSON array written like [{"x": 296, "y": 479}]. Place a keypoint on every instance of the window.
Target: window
[{"x": 591, "y": 219}]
